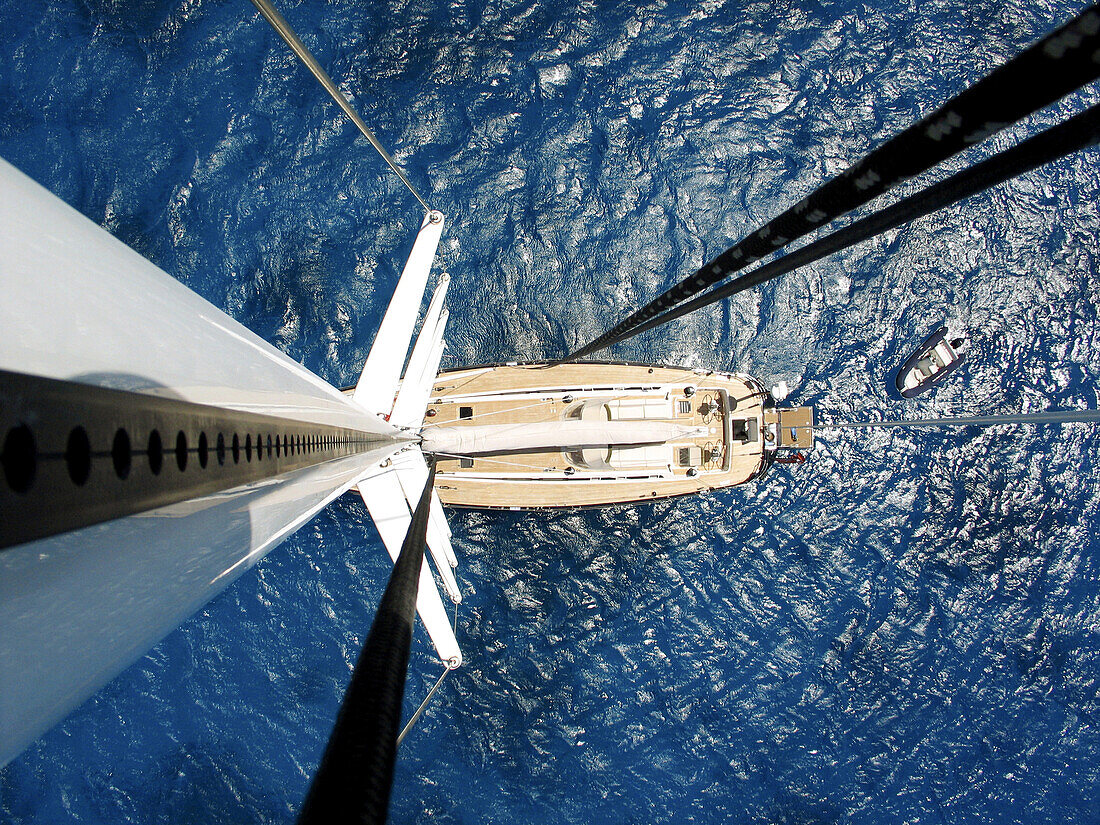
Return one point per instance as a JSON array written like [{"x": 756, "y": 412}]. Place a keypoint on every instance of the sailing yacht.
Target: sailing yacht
[
  {"x": 153, "y": 448},
  {"x": 539, "y": 436}
]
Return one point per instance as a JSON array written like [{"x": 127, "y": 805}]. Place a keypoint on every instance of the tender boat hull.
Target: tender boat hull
[{"x": 926, "y": 368}]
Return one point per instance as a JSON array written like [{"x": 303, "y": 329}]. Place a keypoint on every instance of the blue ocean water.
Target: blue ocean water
[{"x": 904, "y": 629}]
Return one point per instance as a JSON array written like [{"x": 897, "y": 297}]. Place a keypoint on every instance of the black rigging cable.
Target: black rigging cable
[
  {"x": 356, "y": 773},
  {"x": 1047, "y": 71},
  {"x": 1078, "y": 132}
]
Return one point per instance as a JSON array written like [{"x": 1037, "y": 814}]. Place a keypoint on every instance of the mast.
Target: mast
[
  {"x": 154, "y": 448},
  {"x": 99, "y": 341}
]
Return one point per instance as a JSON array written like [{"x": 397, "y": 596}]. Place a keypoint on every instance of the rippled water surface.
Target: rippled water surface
[{"x": 904, "y": 629}]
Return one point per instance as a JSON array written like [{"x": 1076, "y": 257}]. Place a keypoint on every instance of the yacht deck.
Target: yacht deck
[{"x": 728, "y": 449}]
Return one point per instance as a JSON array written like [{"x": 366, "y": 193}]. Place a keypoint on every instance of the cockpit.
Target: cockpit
[{"x": 705, "y": 452}]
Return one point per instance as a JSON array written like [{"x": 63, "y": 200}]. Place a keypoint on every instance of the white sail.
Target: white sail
[
  {"x": 81, "y": 305},
  {"x": 77, "y": 609}
]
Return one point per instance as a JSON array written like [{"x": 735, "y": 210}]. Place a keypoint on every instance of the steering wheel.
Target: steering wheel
[
  {"x": 713, "y": 407},
  {"x": 712, "y": 454}
]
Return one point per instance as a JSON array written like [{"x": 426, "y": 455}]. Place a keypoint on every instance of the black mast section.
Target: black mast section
[
  {"x": 1043, "y": 73},
  {"x": 356, "y": 773}
]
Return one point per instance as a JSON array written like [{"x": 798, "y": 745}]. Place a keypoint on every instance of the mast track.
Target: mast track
[{"x": 74, "y": 455}]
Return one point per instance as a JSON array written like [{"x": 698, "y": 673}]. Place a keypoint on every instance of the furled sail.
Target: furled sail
[{"x": 478, "y": 439}]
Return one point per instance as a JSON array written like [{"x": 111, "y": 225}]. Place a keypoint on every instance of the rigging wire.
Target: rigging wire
[
  {"x": 1079, "y": 132},
  {"x": 423, "y": 706},
  {"x": 484, "y": 458},
  {"x": 1049, "y": 417},
  {"x": 1045, "y": 72},
  {"x": 283, "y": 29}
]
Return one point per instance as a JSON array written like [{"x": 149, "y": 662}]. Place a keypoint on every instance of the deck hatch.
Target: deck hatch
[{"x": 745, "y": 430}]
